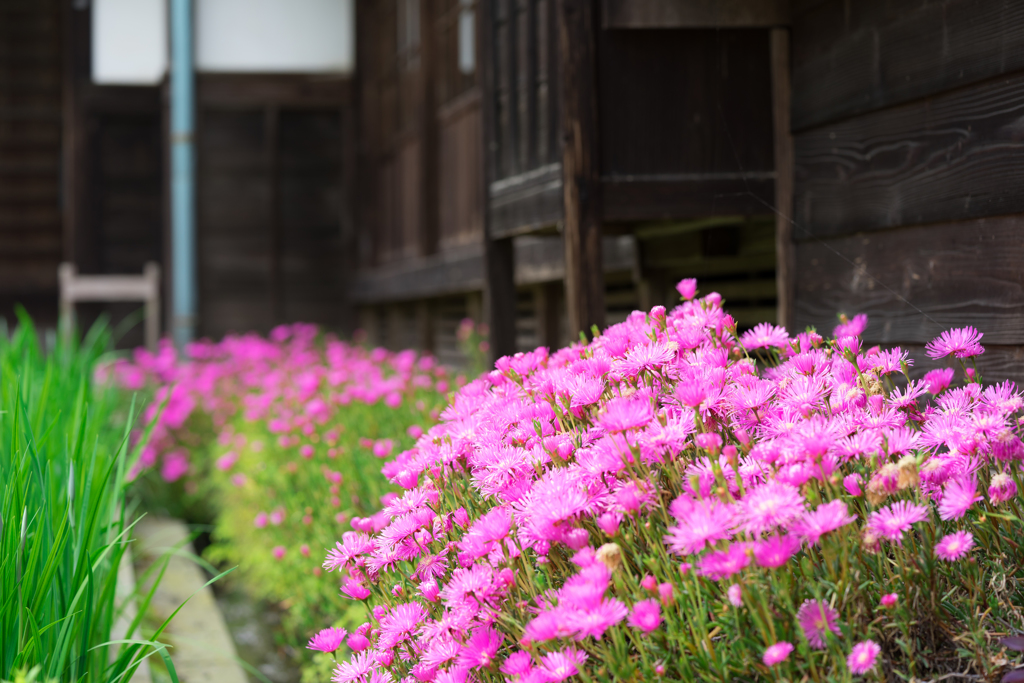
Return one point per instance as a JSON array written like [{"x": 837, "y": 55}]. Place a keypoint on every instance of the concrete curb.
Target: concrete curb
[{"x": 202, "y": 649}]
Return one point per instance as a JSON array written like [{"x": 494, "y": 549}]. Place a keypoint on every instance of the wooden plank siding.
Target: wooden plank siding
[
  {"x": 907, "y": 201},
  {"x": 521, "y": 46},
  {"x": 855, "y": 57},
  {"x": 952, "y": 156},
  {"x": 31, "y": 238},
  {"x": 273, "y": 216}
]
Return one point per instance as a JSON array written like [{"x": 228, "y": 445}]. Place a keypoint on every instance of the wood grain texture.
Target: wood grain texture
[
  {"x": 913, "y": 283},
  {"x": 442, "y": 274},
  {"x": 855, "y": 57},
  {"x": 997, "y": 364},
  {"x": 527, "y": 202},
  {"x": 31, "y": 222},
  {"x": 461, "y": 183},
  {"x": 694, "y": 13},
  {"x": 498, "y": 261},
  {"x": 785, "y": 272},
  {"x": 952, "y": 157},
  {"x": 685, "y": 101},
  {"x": 670, "y": 197},
  {"x": 581, "y": 186}
]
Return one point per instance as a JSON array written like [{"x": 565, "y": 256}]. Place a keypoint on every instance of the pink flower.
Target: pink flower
[
  {"x": 304, "y": 549},
  {"x": 816, "y": 618},
  {"x": 383, "y": 447},
  {"x": 649, "y": 583},
  {"x": 646, "y": 615},
  {"x": 889, "y": 600},
  {"x": 558, "y": 666},
  {"x": 227, "y": 461},
  {"x": 735, "y": 595},
  {"x": 261, "y": 520},
  {"x": 961, "y": 342},
  {"x": 958, "y": 497},
  {"x": 954, "y": 546},
  {"x": 862, "y": 657},
  {"x": 399, "y": 624},
  {"x": 764, "y": 334},
  {"x": 892, "y": 521},
  {"x": 687, "y": 288},
  {"x": 851, "y": 328},
  {"x": 628, "y": 412},
  {"x": 327, "y": 640},
  {"x": 608, "y": 523},
  {"x": 480, "y": 649},
  {"x": 811, "y": 526},
  {"x": 938, "y": 380},
  {"x": 1001, "y": 488},
  {"x": 355, "y": 669},
  {"x": 517, "y": 664},
  {"x": 279, "y": 551},
  {"x": 775, "y": 551},
  {"x": 779, "y": 652},
  {"x": 700, "y": 523},
  {"x": 722, "y": 564},
  {"x": 354, "y": 589},
  {"x": 357, "y": 642},
  {"x": 306, "y": 451},
  {"x": 175, "y": 466},
  {"x": 666, "y": 592},
  {"x": 851, "y": 483},
  {"x": 770, "y": 505}
]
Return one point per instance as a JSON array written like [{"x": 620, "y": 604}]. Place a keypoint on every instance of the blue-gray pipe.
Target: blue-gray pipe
[{"x": 183, "y": 230}]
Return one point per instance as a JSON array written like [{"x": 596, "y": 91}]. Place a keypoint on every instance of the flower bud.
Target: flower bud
[
  {"x": 610, "y": 555},
  {"x": 1002, "y": 488}
]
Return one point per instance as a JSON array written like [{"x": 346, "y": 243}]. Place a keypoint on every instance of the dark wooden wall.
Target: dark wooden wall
[
  {"x": 275, "y": 156},
  {"x": 30, "y": 156},
  {"x": 908, "y": 140}
]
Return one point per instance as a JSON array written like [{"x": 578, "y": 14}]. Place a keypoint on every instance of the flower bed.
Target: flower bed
[
  {"x": 674, "y": 501},
  {"x": 278, "y": 443}
]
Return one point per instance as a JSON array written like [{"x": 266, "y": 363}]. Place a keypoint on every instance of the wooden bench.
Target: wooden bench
[{"x": 75, "y": 288}]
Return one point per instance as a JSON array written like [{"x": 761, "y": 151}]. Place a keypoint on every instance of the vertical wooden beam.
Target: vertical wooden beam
[
  {"x": 272, "y": 142},
  {"x": 430, "y": 170},
  {"x": 499, "y": 263},
  {"x": 424, "y": 326},
  {"x": 581, "y": 179},
  {"x": 547, "y": 307},
  {"x": 785, "y": 273}
]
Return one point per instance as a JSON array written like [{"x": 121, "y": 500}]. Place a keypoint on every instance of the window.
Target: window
[
  {"x": 275, "y": 36},
  {"x": 467, "y": 37},
  {"x": 129, "y": 42}
]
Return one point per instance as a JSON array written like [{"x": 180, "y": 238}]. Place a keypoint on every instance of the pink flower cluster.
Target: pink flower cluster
[
  {"x": 293, "y": 381},
  {"x": 555, "y": 482}
]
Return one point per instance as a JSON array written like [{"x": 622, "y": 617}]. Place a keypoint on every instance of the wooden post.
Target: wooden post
[
  {"x": 785, "y": 273},
  {"x": 499, "y": 262},
  {"x": 546, "y": 301},
  {"x": 151, "y": 274},
  {"x": 581, "y": 179},
  {"x": 272, "y": 162},
  {"x": 424, "y": 326},
  {"x": 430, "y": 168}
]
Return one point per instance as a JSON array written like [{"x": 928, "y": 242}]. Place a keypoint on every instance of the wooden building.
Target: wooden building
[
  {"x": 547, "y": 165},
  {"x": 597, "y": 152}
]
